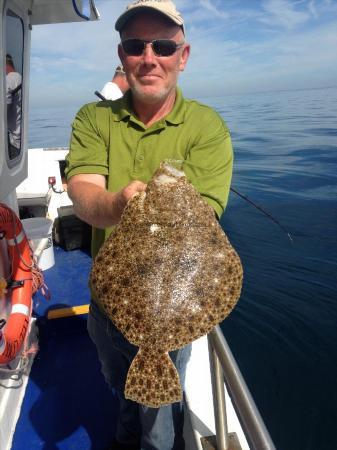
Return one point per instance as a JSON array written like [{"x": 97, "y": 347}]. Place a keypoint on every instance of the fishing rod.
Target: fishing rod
[
  {"x": 266, "y": 213},
  {"x": 100, "y": 96}
]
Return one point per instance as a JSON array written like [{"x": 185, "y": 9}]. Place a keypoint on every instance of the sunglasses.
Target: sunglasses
[{"x": 160, "y": 47}]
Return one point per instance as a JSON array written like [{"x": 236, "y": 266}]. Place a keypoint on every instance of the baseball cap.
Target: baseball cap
[{"x": 165, "y": 7}]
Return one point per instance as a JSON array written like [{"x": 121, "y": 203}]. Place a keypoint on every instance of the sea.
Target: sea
[{"x": 283, "y": 331}]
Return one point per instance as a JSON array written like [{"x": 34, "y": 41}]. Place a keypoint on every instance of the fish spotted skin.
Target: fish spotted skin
[
  {"x": 153, "y": 379},
  {"x": 166, "y": 276}
]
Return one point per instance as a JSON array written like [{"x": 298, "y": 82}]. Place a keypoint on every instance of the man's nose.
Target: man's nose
[{"x": 148, "y": 54}]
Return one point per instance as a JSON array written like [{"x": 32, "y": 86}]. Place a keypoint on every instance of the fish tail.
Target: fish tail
[{"x": 153, "y": 380}]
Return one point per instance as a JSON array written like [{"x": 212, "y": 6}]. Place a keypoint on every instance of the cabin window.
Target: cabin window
[{"x": 14, "y": 71}]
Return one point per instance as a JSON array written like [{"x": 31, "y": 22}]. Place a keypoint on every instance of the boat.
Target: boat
[{"x": 52, "y": 393}]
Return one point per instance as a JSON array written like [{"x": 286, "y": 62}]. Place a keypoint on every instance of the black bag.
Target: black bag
[{"x": 70, "y": 232}]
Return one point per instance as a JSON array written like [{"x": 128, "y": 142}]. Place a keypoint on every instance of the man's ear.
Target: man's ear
[{"x": 184, "y": 56}]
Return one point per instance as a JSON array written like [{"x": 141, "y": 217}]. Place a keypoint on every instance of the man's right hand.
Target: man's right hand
[
  {"x": 132, "y": 189},
  {"x": 126, "y": 194}
]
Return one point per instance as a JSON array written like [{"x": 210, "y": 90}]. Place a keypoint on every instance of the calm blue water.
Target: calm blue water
[{"x": 283, "y": 332}]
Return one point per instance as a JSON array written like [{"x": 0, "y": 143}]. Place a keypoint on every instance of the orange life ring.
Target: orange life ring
[{"x": 12, "y": 336}]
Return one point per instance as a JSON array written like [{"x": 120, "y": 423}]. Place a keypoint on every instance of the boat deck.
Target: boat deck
[{"x": 67, "y": 403}]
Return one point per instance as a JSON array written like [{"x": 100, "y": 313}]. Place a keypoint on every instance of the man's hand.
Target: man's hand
[
  {"x": 123, "y": 196},
  {"x": 119, "y": 78}
]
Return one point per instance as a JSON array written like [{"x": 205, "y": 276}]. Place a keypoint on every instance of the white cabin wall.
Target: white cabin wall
[
  {"x": 12, "y": 175},
  {"x": 2, "y": 102},
  {"x": 35, "y": 12}
]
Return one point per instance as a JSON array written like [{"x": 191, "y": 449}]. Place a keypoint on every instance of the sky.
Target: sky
[{"x": 237, "y": 46}]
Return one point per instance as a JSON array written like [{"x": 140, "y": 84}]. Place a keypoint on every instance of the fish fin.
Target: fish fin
[{"x": 153, "y": 380}]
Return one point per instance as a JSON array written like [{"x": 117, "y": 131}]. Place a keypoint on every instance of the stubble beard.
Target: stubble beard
[
  {"x": 144, "y": 95},
  {"x": 152, "y": 94}
]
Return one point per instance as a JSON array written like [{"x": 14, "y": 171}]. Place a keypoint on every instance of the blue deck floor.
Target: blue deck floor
[{"x": 67, "y": 403}]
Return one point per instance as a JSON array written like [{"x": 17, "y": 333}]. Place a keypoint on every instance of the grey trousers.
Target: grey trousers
[{"x": 150, "y": 428}]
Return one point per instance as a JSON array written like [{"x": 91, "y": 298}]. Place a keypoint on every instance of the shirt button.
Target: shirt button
[{"x": 140, "y": 157}]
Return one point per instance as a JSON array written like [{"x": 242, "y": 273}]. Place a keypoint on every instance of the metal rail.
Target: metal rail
[{"x": 225, "y": 369}]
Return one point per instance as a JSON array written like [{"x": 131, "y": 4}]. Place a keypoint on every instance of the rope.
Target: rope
[
  {"x": 9, "y": 219},
  {"x": 38, "y": 281},
  {"x": 24, "y": 360},
  {"x": 23, "y": 365},
  {"x": 8, "y": 215}
]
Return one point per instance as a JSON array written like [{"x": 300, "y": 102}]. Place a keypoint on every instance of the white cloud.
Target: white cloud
[
  {"x": 207, "y": 4},
  {"x": 283, "y": 13},
  {"x": 312, "y": 8}
]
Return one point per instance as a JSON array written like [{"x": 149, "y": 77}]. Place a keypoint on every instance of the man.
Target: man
[
  {"x": 115, "y": 149},
  {"x": 13, "y": 100}
]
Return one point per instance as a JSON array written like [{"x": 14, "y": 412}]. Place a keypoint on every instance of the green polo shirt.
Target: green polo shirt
[{"x": 108, "y": 139}]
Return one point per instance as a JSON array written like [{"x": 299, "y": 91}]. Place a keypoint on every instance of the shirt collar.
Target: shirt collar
[
  {"x": 123, "y": 107},
  {"x": 175, "y": 117}
]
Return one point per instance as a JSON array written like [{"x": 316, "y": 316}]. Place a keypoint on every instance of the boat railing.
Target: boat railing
[{"x": 225, "y": 371}]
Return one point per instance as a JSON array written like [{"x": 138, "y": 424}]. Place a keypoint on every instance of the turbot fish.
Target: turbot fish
[{"x": 166, "y": 276}]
